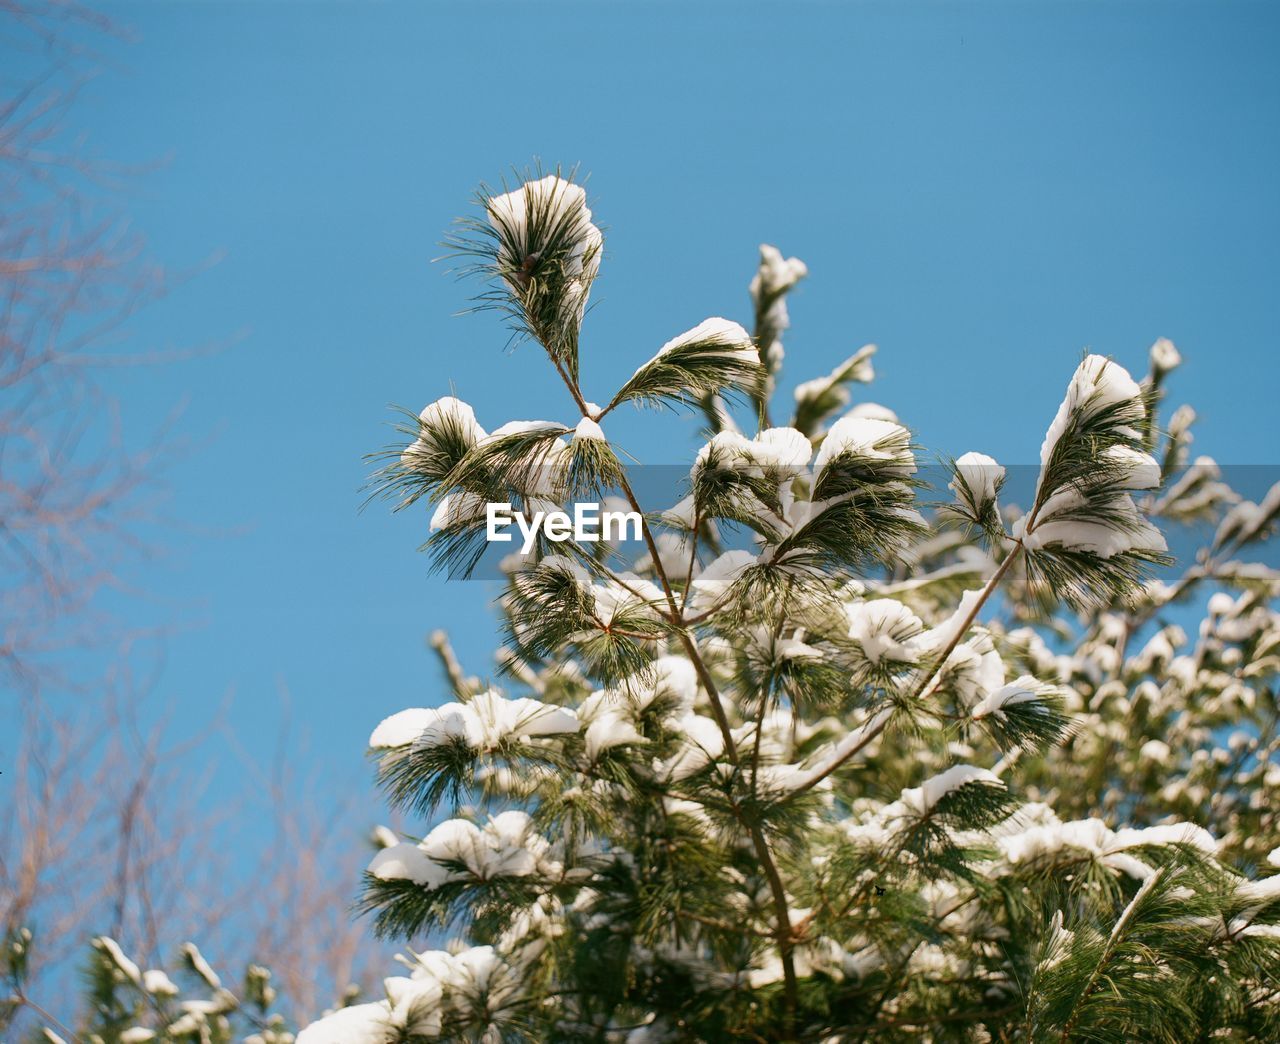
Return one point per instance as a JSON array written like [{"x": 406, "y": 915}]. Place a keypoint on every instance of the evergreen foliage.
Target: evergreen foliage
[
  {"x": 887, "y": 775},
  {"x": 903, "y": 770}
]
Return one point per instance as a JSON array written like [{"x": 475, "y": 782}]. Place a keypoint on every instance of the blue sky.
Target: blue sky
[{"x": 983, "y": 190}]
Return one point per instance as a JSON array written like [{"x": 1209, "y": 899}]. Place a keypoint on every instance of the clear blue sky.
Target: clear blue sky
[{"x": 981, "y": 189}]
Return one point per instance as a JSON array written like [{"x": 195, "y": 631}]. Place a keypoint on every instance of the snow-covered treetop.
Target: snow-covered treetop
[
  {"x": 909, "y": 762},
  {"x": 899, "y": 769}
]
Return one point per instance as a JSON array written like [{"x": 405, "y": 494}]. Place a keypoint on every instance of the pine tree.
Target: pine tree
[
  {"x": 123, "y": 1004},
  {"x": 887, "y": 774}
]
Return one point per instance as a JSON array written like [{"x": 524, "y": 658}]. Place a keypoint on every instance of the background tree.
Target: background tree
[{"x": 101, "y": 828}]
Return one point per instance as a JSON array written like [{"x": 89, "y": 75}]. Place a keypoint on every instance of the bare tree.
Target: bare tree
[
  {"x": 71, "y": 273},
  {"x": 102, "y": 824},
  {"x": 108, "y": 830}
]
